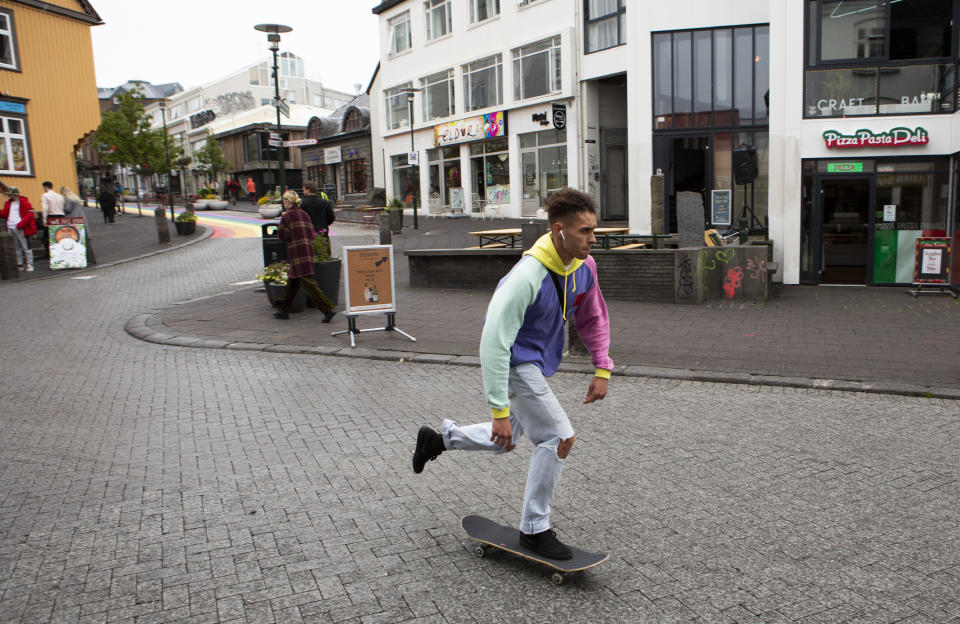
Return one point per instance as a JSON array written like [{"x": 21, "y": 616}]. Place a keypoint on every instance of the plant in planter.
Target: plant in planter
[
  {"x": 186, "y": 222},
  {"x": 326, "y": 268},
  {"x": 274, "y": 280},
  {"x": 394, "y": 212},
  {"x": 269, "y": 207}
]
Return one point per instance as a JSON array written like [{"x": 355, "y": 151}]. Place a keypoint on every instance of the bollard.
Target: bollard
[
  {"x": 530, "y": 232},
  {"x": 163, "y": 230},
  {"x": 8, "y": 257}
]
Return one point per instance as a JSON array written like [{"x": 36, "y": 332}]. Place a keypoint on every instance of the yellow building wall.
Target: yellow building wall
[{"x": 57, "y": 76}]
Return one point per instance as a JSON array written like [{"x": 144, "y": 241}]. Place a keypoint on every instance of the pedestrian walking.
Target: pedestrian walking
[
  {"x": 233, "y": 190},
  {"x": 108, "y": 198},
  {"x": 318, "y": 207},
  {"x": 521, "y": 344},
  {"x": 296, "y": 232},
  {"x": 17, "y": 215},
  {"x": 51, "y": 203},
  {"x": 252, "y": 190}
]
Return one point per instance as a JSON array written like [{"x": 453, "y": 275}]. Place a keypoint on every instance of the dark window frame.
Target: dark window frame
[
  {"x": 587, "y": 21},
  {"x": 28, "y": 152},
  {"x": 355, "y": 175}
]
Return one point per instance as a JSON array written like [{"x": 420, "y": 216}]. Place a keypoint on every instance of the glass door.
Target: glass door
[
  {"x": 844, "y": 224},
  {"x": 531, "y": 184}
]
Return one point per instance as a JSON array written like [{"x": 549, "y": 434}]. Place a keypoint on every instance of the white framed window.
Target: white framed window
[
  {"x": 194, "y": 105},
  {"x": 483, "y": 83},
  {"x": 400, "y": 34},
  {"x": 481, "y": 10},
  {"x": 536, "y": 69},
  {"x": 291, "y": 97},
  {"x": 437, "y": 92},
  {"x": 398, "y": 111},
  {"x": 439, "y": 20},
  {"x": 14, "y": 149},
  {"x": 8, "y": 42}
]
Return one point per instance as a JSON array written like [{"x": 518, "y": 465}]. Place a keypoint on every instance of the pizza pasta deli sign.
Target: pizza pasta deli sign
[{"x": 897, "y": 137}]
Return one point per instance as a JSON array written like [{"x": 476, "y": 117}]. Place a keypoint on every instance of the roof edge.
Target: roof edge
[
  {"x": 384, "y": 5},
  {"x": 89, "y": 15}
]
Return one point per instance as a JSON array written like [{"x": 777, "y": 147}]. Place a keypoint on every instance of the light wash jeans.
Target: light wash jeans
[
  {"x": 534, "y": 411},
  {"x": 23, "y": 247}
]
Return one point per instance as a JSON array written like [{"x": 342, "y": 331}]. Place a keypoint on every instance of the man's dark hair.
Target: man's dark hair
[
  {"x": 312, "y": 186},
  {"x": 48, "y": 185},
  {"x": 568, "y": 201}
]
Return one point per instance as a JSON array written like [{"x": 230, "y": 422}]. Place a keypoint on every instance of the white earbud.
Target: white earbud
[{"x": 562, "y": 236}]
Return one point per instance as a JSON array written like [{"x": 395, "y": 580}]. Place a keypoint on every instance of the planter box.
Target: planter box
[
  {"x": 200, "y": 205},
  {"x": 327, "y": 275},
  {"x": 217, "y": 204},
  {"x": 185, "y": 227},
  {"x": 275, "y": 291},
  {"x": 269, "y": 211}
]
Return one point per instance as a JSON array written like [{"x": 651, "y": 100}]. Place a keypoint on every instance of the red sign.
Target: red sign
[{"x": 897, "y": 137}]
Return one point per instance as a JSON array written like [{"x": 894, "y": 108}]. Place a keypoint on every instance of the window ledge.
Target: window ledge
[
  {"x": 449, "y": 35},
  {"x": 532, "y": 3},
  {"x": 484, "y": 22},
  {"x": 394, "y": 55}
]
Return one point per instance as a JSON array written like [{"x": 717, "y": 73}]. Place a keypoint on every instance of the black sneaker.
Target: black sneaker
[
  {"x": 281, "y": 315},
  {"x": 546, "y": 544},
  {"x": 429, "y": 446},
  {"x": 329, "y": 316}
]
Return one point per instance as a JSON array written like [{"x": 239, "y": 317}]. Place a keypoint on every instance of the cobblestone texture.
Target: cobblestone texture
[{"x": 153, "y": 483}]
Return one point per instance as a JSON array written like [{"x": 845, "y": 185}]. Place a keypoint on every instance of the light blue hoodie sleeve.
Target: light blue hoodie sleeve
[{"x": 508, "y": 306}]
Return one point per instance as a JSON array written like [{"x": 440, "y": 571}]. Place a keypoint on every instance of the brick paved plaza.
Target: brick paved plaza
[{"x": 149, "y": 483}]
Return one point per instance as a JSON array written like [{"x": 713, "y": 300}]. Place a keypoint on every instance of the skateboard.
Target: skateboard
[{"x": 489, "y": 533}]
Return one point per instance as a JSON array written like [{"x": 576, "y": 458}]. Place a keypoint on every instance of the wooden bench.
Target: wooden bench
[
  {"x": 630, "y": 246},
  {"x": 489, "y": 246}
]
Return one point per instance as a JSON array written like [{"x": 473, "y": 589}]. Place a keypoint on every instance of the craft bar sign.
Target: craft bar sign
[{"x": 898, "y": 137}]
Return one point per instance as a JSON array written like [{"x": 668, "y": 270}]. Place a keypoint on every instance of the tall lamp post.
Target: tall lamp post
[
  {"x": 410, "y": 92},
  {"x": 273, "y": 36},
  {"x": 166, "y": 153}
]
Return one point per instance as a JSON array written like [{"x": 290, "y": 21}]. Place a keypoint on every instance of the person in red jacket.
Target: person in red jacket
[
  {"x": 17, "y": 216},
  {"x": 296, "y": 231}
]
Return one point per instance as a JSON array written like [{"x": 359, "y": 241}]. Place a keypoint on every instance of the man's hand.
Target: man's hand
[
  {"x": 502, "y": 433},
  {"x": 597, "y": 390}
]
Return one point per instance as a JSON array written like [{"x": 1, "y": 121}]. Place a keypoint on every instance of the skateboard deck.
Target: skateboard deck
[{"x": 490, "y": 533}]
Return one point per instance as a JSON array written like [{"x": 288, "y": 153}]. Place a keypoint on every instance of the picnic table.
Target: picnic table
[{"x": 506, "y": 237}]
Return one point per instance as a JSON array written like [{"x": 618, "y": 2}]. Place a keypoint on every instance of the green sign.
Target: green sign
[{"x": 850, "y": 167}]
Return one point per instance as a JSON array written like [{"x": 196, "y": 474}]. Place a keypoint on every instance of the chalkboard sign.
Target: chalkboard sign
[
  {"x": 932, "y": 263},
  {"x": 720, "y": 207}
]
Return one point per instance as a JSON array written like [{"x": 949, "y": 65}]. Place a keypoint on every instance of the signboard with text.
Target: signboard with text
[
  {"x": 489, "y": 126},
  {"x": 332, "y": 155},
  {"x": 720, "y": 202},
  {"x": 932, "y": 262},
  {"x": 897, "y": 137},
  {"x": 368, "y": 279},
  {"x": 68, "y": 238}
]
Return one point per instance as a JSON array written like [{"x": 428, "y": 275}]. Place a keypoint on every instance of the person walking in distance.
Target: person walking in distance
[
  {"x": 252, "y": 190},
  {"x": 51, "y": 203},
  {"x": 318, "y": 207},
  {"x": 17, "y": 216},
  {"x": 296, "y": 232},
  {"x": 108, "y": 198},
  {"x": 521, "y": 344}
]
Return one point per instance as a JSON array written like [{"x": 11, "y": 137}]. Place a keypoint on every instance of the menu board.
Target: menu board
[
  {"x": 67, "y": 239},
  {"x": 368, "y": 278}
]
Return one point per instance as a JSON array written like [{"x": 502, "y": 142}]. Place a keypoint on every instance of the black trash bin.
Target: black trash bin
[{"x": 273, "y": 248}]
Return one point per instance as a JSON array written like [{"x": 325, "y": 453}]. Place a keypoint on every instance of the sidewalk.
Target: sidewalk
[{"x": 873, "y": 339}]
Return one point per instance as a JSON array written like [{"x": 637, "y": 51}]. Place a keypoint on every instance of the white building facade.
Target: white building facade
[{"x": 846, "y": 107}]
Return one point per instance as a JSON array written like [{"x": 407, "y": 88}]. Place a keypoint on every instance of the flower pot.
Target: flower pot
[
  {"x": 185, "y": 227},
  {"x": 275, "y": 291},
  {"x": 200, "y": 204},
  {"x": 270, "y": 211},
  {"x": 327, "y": 275},
  {"x": 217, "y": 204}
]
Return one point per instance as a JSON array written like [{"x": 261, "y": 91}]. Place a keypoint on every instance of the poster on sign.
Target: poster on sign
[
  {"x": 67, "y": 240},
  {"x": 932, "y": 264},
  {"x": 368, "y": 279}
]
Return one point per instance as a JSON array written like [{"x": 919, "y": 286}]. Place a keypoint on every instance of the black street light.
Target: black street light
[
  {"x": 166, "y": 152},
  {"x": 273, "y": 36},
  {"x": 410, "y": 92}
]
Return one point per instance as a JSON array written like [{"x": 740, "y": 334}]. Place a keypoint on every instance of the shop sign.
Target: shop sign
[
  {"x": 489, "y": 126},
  {"x": 299, "y": 142},
  {"x": 331, "y": 155},
  {"x": 198, "y": 120},
  {"x": 559, "y": 116},
  {"x": 897, "y": 137},
  {"x": 847, "y": 167},
  {"x": 67, "y": 243}
]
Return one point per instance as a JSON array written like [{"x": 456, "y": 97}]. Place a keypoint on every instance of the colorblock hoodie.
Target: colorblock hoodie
[{"x": 526, "y": 315}]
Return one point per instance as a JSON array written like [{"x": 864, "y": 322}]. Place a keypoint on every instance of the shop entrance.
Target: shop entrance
[{"x": 844, "y": 220}]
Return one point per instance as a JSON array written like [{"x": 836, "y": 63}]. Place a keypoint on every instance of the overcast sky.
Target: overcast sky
[{"x": 197, "y": 41}]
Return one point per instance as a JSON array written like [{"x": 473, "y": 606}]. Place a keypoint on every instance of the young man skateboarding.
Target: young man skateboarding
[{"x": 522, "y": 342}]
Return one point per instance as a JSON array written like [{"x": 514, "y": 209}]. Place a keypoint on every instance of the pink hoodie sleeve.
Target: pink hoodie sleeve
[{"x": 593, "y": 323}]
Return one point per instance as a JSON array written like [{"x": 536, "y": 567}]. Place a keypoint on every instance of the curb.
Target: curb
[{"x": 149, "y": 327}]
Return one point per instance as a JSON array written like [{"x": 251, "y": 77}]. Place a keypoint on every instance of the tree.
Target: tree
[
  {"x": 125, "y": 137},
  {"x": 211, "y": 159}
]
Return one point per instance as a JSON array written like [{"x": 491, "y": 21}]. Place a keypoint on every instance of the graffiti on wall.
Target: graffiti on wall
[
  {"x": 227, "y": 103},
  {"x": 735, "y": 272}
]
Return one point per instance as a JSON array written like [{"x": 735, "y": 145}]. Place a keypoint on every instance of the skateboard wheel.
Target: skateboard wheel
[
  {"x": 480, "y": 551},
  {"x": 558, "y": 578}
]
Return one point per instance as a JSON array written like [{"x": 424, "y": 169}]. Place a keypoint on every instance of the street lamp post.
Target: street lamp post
[
  {"x": 273, "y": 36},
  {"x": 410, "y": 93},
  {"x": 166, "y": 153}
]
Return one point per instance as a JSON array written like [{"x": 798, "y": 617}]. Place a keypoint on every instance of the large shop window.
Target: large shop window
[
  {"x": 438, "y": 18},
  {"x": 437, "y": 93},
  {"x": 543, "y": 164},
  {"x": 8, "y": 47},
  {"x": 874, "y": 57},
  {"x": 355, "y": 176},
  {"x": 536, "y": 69},
  {"x": 14, "y": 148},
  {"x": 605, "y": 24},
  {"x": 406, "y": 179},
  {"x": 400, "y": 36},
  {"x": 735, "y": 61},
  {"x": 257, "y": 148},
  {"x": 490, "y": 168},
  {"x": 447, "y": 161},
  {"x": 483, "y": 83},
  {"x": 398, "y": 111}
]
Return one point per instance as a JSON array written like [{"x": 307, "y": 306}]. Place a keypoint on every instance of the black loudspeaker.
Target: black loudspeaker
[{"x": 744, "y": 164}]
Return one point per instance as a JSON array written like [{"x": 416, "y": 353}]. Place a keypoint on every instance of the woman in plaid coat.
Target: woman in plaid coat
[{"x": 296, "y": 231}]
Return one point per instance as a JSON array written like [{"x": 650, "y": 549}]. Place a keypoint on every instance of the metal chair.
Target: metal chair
[{"x": 478, "y": 205}]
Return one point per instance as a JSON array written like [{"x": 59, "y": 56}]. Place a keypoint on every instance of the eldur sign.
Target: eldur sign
[{"x": 897, "y": 137}]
